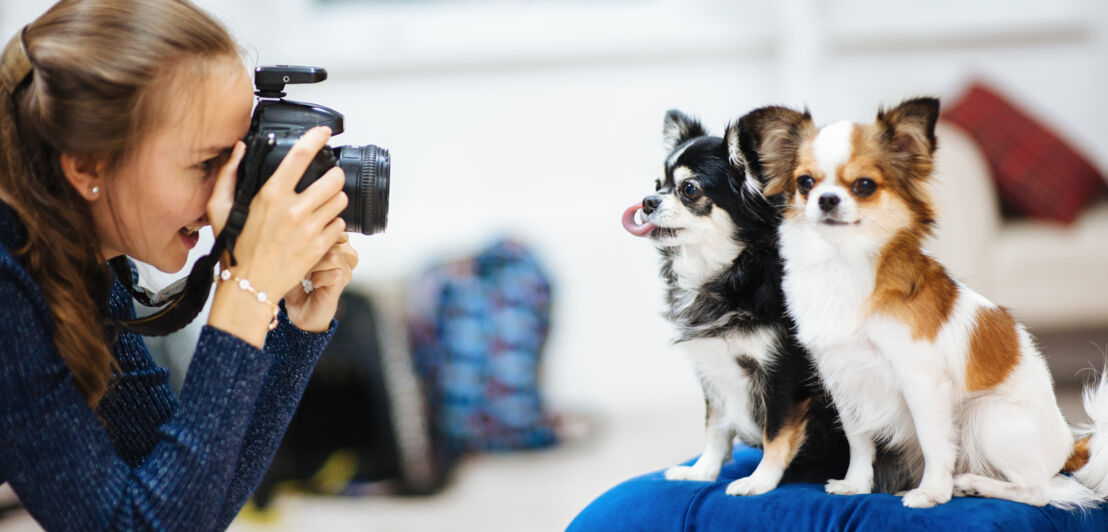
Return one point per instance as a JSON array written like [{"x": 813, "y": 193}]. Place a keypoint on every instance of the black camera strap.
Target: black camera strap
[
  {"x": 182, "y": 307},
  {"x": 186, "y": 298}
]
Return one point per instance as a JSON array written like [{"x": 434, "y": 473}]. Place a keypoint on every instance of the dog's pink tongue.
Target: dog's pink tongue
[{"x": 636, "y": 228}]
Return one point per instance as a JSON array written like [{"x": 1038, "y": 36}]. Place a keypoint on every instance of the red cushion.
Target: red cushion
[{"x": 1036, "y": 173}]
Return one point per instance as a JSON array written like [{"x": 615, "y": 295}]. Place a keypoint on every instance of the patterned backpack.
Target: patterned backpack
[{"x": 477, "y": 329}]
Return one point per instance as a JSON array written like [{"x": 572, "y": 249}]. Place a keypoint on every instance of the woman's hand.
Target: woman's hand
[
  {"x": 286, "y": 237},
  {"x": 223, "y": 193},
  {"x": 313, "y": 311}
]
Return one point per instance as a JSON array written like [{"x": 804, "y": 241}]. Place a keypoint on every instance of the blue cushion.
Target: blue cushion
[{"x": 650, "y": 502}]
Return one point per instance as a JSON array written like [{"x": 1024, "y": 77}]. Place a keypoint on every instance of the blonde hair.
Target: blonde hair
[{"x": 101, "y": 72}]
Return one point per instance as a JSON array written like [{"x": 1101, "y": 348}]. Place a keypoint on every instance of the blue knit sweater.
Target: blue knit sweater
[{"x": 157, "y": 461}]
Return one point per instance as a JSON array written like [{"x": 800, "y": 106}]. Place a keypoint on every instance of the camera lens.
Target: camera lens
[{"x": 367, "y": 187}]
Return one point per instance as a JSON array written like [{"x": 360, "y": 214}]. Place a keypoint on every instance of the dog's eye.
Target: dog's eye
[
  {"x": 863, "y": 187},
  {"x": 690, "y": 190},
  {"x": 657, "y": 185},
  {"x": 805, "y": 183}
]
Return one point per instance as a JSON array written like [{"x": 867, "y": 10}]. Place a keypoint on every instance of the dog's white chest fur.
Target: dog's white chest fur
[
  {"x": 696, "y": 263},
  {"x": 717, "y": 365},
  {"x": 827, "y": 288}
]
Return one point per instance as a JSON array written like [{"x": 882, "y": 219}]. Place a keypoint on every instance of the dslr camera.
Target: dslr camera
[{"x": 276, "y": 125}]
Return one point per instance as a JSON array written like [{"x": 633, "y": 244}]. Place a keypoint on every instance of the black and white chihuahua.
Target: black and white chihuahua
[{"x": 717, "y": 235}]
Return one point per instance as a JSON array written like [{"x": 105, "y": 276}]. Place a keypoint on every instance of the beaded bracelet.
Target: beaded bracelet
[{"x": 244, "y": 284}]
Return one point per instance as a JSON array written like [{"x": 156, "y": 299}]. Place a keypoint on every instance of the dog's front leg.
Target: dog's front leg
[
  {"x": 779, "y": 447},
  {"x": 859, "y": 474},
  {"x": 863, "y": 450},
  {"x": 929, "y": 395},
  {"x": 717, "y": 450}
]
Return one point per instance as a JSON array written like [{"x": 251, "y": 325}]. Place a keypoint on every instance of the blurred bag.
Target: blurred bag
[
  {"x": 362, "y": 418},
  {"x": 477, "y": 330}
]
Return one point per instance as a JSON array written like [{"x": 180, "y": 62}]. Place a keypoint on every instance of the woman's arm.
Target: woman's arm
[
  {"x": 59, "y": 457},
  {"x": 295, "y": 352}
]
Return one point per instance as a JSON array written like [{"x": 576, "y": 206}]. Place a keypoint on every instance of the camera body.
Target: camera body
[{"x": 278, "y": 123}]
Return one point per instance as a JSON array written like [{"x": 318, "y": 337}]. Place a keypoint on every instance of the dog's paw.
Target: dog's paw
[
  {"x": 845, "y": 487},
  {"x": 750, "y": 486},
  {"x": 966, "y": 486},
  {"x": 926, "y": 497},
  {"x": 689, "y": 473}
]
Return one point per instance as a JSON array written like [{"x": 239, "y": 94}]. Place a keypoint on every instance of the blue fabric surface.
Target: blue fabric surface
[{"x": 650, "y": 502}]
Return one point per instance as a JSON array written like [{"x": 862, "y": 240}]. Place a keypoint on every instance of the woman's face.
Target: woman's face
[{"x": 154, "y": 203}]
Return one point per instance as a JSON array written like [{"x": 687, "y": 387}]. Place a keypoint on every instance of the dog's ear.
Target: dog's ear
[
  {"x": 768, "y": 140},
  {"x": 738, "y": 161},
  {"x": 910, "y": 127},
  {"x": 908, "y": 131},
  {"x": 679, "y": 127},
  {"x": 734, "y": 149}
]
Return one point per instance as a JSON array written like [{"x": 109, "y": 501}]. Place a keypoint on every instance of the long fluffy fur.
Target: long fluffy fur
[
  {"x": 914, "y": 360},
  {"x": 722, "y": 272},
  {"x": 1095, "y": 472}
]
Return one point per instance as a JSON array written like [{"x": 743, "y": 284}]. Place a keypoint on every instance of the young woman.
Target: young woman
[{"x": 120, "y": 123}]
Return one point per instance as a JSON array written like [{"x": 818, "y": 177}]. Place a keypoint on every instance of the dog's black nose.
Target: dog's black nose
[
  {"x": 828, "y": 202},
  {"x": 650, "y": 203}
]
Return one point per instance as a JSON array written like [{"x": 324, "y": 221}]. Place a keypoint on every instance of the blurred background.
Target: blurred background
[{"x": 539, "y": 121}]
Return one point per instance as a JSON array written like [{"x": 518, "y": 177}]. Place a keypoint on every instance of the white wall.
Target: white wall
[{"x": 542, "y": 120}]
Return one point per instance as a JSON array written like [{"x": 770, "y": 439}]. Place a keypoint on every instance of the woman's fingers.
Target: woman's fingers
[
  {"x": 298, "y": 158},
  {"x": 328, "y": 185},
  {"x": 312, "y": 208},
  {"x": 334, "y": 277},
  {"x": 341, "y": 255},
  {"x": 331, "y": 233},
  {"x": 337, "y": 265},
  {"x": 289, "y": 234},
  {"x": 328, "y": 210},
  {"x": 347, "y": 252}
]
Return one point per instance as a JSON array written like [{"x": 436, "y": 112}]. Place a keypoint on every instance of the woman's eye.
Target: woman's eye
[
  {"x": 690, "y": 190},
  {"x": 210, "y": 166},
  {"x": 805, "y": 184},
  {"x": 864, "y": 187}
]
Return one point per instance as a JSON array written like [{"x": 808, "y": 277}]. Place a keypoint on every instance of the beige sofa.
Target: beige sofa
[{"x": 1052, "y": 277}]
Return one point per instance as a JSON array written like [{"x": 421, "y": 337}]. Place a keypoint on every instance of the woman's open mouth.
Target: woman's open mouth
[{"x": 189, "y": 236}]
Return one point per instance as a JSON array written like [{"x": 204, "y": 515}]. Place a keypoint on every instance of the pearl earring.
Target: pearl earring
[{"x": 95, "y": 190}]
